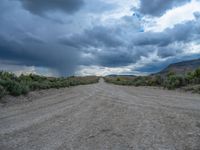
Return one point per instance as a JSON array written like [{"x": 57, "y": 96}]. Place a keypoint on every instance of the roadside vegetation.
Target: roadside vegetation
[
  {"x": 10, "y": 84},
  {"x": 189, "y": 81}
]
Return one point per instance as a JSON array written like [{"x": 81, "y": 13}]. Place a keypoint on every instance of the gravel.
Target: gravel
[{"x": 102, "y": 117}]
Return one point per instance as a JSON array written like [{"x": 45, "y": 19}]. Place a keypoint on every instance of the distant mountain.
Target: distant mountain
[
  {"x": 182, "y": 67},
  {"x": 114, "y": 75}
]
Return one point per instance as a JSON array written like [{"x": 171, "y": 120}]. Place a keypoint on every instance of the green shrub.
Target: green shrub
[
  {"x": 25, "y": 89},
  {"x": 11, "y": 84},
  {"x": 118, "y": 79},
  {"x": 189, "y": 77},
  {"x": 14, "y": 88},
  {"x": 35, "y": 85},
  {"x": 197, "y": 73},
  {"x": 170, "y": 73},
  {"x": 25, "y": 78},
  {"x": 2, "y": 91},
  {"x": 7, "y": 76},
  {"x": 155, "y": 81},
  {"x": 140, "y": 81},
  {"x": 170, "y": 81},
  {"x": 173, "y": 82},
  {"x": 193, "y": 77}
]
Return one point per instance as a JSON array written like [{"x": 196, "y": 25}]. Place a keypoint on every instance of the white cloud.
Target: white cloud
[
  {"x": 192, "y": 48},
  {"x": 124, "y": 9},
  {"x": 175, "y": 16},
  {"x": 102, "y": 71},
  {"x": 125, "y": 70}
]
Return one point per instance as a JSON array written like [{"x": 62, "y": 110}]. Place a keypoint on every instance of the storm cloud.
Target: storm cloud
[
  {"x": 111, "y": 47},
  {"x": 159, "y": 7},
  {"x": 40, "y": 7},
  {"x": 84, "y": 36},
  {"x": 37, "y": 54}
]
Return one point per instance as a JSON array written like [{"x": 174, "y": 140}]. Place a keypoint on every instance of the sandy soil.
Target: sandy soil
[{"x": 102, "y": 117}]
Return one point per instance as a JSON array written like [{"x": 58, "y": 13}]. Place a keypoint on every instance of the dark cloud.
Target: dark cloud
[
  {"x": 151, "y": 38},
  {"x": 110, "y": 47},
  {"x": 98, "y": 36},
  {"x": 169, "y": 51},
  {"x": 107, "y": 46},
  {"x": 117, "y": 51},
  {"x": 40, "y": 7},
  {"x": 83, "y": 39},
  {"x": 40, "y": 55},
  {"x": 32, "y": 39},
  {"x": 159, "y": 7},
  {"x": 114, "y": 58}
]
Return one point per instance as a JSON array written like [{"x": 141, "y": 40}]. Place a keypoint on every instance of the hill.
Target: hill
[
  {"x": 115, "y": 75},
  {"x": 182, "y": 67}
]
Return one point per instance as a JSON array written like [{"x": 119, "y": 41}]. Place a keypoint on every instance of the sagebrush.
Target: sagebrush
[
  {"x": 170, "y": 81},
  {"x": 13, "y": 85}
]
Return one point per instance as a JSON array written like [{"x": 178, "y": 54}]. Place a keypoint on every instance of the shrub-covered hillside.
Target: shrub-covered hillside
[
  {"x": 181, "y": 67},
  {"x": 13, "y": 85},
  {"x": 189, "y": 81}
]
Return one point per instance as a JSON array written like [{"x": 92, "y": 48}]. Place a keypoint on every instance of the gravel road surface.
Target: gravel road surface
[{"x": 103, "y": 117}]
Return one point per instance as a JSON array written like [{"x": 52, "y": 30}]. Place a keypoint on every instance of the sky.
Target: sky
[{"x": 97, "y": 37}]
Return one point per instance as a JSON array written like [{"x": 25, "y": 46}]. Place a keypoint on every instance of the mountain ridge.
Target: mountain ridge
[{"x": 181, "y": 67}]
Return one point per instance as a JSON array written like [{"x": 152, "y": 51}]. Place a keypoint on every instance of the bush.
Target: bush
[
  {"x": 11, "y": 84},
  {"x": 14, "y": 88},
  {"x": 7, "y": 76},
  {"x": 197, "y": 73},
  {"x": 35, "y": 85},
  {"x": 118, "y": 79},
  {"x": 189, "y": 77},
  {"x": 173, "y": 82},
  {"x": 193, "y": 77},
  {"x": 170, "y": 81},
  {"x": 2, "y": 91},
  {"x": 170, "y": 73},
  {"x": 140, "y": 81}
]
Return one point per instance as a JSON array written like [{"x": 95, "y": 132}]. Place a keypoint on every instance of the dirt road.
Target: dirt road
[{"x": 103, "y": 117}]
